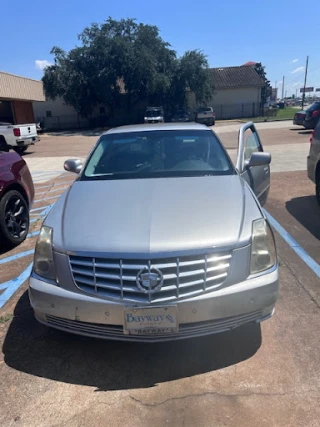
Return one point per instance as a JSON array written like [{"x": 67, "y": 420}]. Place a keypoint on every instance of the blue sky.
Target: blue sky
[{"x": 277, "y": 33}]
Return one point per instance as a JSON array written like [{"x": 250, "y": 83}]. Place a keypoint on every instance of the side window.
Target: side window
[{"x": 252, "y": 144}]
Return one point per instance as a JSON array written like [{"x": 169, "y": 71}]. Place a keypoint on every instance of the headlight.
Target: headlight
[
  {"x": 43, "y": 259},
  {"x": 263, "y": 250}
]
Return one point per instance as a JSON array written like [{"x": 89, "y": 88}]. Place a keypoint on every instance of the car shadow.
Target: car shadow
[
  {"x": 110, "y": 365},
  {"x": 306, "y": 132},
  {"x": 306, "y": 210},
  {"x": 296, "y": 129}
]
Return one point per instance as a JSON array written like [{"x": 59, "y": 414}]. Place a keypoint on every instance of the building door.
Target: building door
[{"x": 6, "y": 114}]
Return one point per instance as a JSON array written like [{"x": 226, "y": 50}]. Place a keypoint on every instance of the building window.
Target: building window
[
  {"x": 48, "y": 113},
  {"x": 102, "y": 110}
]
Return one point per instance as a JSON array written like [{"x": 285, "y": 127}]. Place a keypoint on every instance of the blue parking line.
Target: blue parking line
[
  {"x": 39, "y": 209},
  {"x": 12, "y": 285},
  {"x": 34, "y": 233},
  {"x": 17, "y": 256},
  {"x": 311, "y": 263},
  {"x": 47, "y": 198}
]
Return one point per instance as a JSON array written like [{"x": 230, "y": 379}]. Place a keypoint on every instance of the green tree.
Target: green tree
[
  {"x": 266, "y": 89},
  {"x": 125, "y": 62}
]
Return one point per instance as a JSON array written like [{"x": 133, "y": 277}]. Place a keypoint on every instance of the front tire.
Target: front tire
[
  {"x": 14, "y": 219},
  {"x": 318, "y": 187},
  {"x": 3, "y": 145}
]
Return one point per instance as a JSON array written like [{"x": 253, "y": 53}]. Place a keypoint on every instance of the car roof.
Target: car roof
[{"x": 157, "y": 126}]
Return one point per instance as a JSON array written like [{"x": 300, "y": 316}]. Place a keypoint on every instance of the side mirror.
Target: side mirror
[
  {"x": 258, "y": 159},
  {"x": 73, "y": 165}
]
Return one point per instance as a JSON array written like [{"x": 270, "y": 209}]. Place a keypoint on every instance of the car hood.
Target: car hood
[{"x": 153, "y": 215}]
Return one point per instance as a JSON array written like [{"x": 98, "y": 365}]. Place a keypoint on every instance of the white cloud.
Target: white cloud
[
  {"x": 294, "y": 61},
  {"x": 41, "y": 64},
  {"x": 297, "y": 70}
]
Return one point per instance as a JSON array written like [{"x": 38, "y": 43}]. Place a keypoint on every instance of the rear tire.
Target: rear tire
[
  {"x": 318, "y": 187},
  {"x": 3, "y": 145},
  {"x": 14, "y": 219},
  {"x": 20, "y": 150}
]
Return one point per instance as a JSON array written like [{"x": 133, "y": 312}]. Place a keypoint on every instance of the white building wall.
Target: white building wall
[
  {"x": 232, "y": 103},
  {"x": 56, "y": 107}
]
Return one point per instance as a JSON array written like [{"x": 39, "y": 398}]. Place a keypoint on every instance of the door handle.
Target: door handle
[{"x": 266, "y": 169}]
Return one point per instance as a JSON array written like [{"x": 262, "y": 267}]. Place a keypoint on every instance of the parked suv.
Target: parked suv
[
  {"x": 313, "y": 160},
  {"x": 312, "y": 117},
  {"x": 154, "y": 115},
  {"x": 206, "y": 115},
  {"x": 178, "y": 247}
]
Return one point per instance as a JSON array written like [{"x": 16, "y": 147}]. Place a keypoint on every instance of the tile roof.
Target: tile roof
[
  {"x": 229, "y": 77},
  {"x": 250, "y": 63}
]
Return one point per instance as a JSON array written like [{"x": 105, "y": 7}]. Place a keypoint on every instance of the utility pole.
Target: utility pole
[
  {"x": 282, "y": 87},
  {"x": 305, "y": 82}
]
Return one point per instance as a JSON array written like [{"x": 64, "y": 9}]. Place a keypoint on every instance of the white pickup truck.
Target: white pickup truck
[{"x": 17, "y": 137}]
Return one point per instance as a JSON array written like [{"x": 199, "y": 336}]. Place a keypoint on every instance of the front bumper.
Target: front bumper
[
  {"x": 298, "y": 122},
  {"x": 207, "y": 121},
  {"x": 250, "y": 301}
]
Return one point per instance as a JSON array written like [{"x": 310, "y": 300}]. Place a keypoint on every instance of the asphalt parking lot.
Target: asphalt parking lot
[{"x": 266, "y": 375}]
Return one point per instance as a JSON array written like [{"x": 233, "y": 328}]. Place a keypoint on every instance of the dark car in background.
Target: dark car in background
[
  {"x": 154, "y": 115},
  {"x": 181, "y": 116},
  {"x": 16, "y": 197},
  {"x": 299, "y": 117},
  {"x": 206, "y": 116},
  {"x": 312, "y": 116}
]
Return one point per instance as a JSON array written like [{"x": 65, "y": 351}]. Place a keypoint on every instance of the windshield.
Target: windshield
[
  {"x": 153, "y": 113},
  {"x": 205, "y": 110},
  {"x": 157, "y": 154}
]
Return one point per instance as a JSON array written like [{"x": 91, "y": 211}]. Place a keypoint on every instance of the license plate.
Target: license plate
[{"x": 150, "y": 321}]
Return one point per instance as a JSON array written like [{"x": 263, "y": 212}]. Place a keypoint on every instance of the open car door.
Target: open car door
[{"x": 253, "y": 163}]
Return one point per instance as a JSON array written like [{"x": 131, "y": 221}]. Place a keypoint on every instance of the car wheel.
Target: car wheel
[
  {"x": 318, "y": 187},
  {"x": 14, "y": 219},
  {"x": 20, "y": 150},
  {"x": 3, "y": 145}
]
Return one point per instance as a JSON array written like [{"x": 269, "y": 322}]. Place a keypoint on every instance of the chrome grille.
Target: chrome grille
[{"x": 182, "y": 277}]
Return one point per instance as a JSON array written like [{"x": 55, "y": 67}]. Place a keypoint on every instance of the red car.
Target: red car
[{"x": 16, "y": 197}]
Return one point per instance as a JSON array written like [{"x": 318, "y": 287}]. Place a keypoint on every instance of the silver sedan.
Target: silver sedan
[{"x": 160, "y": 237}]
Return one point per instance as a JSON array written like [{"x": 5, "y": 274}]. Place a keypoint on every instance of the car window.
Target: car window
[
  {"x": 252, "y": 144},
  {"x": 157, "y": 154},
  {"x": 205, "y": 110}
]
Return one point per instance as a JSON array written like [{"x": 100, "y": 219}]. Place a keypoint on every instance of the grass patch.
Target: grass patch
[
  {"x": 6, "y": 318},
  {"x": 284, "y": 114}
]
